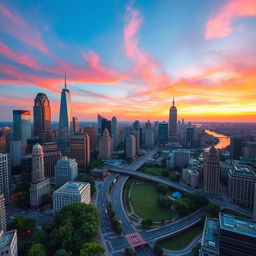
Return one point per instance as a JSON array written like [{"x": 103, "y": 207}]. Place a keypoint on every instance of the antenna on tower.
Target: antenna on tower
[
  {"x": 65, "y": 82},
  {"x": 173, "y": 100}
]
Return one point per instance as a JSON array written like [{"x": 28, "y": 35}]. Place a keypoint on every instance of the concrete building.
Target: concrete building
[
  {"x": 241, "y": 186},
  {"x": 211, "y": 171},
  {"x": 8, "y": 243},
  {"x": 42, "y": 117},
  {"x": 4, "y": 176},
  {"x": 236, "y": 146},
  {"x": 65, "y": 170},
  {"x": 149, "y": 137},
  {"x": 17, "y": 150},
  {"x": 80, "y": 150},
  {"x": 5, "y": 139},
  {"x": 21, "y": 125},
  {"x": 50, "y": 159},
  {"x": 250, "y": 149},
  {"x": 191, "y": 177},
  {"x": 91, "y": 131},
  {"x": 75, "y": 125},
  {"x": 40, "y": 185},
  {"x": 71, "y": 192},
  {"x": 3, "y": 223},
  {"x": 178, "y": 158},
  {"x": 130, "y": 147},
  {"x": 105, "y": 146},
  {"x": 173, "y": 122}
]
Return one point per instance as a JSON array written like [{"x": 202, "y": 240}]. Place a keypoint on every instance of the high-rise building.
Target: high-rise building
[
  {"x": 91, "y": 131},
  {"x": 40, "y": 185},
  {"x": 8, "y": 243},
  {"x": 136, "y": 132},
  {"x": 105, "y": 146},
  {"x": 42, "y": 117},
  {"x": 80, "y": 150},
  {"x": 65, "y": 120},
  {"x": 75, "y": 125},
  {"x": 21, "y": 125},
  {"x": 114, "y": 130},
  {"x": 4, "y": 139},
  {"x": 173, "y": 122},
  {"x": 163, "y": 133},
  {"x": 254, "y": 204},
  {"x": 250, "y": 149},
  {"x": 65, "y": 170},
  {"x": 26, "y": 168},
  {"x": 211, "y": 171},
  {"x": 241, "y": 186},
  {"x": 190, "y": 137},
  {"x": 4, "y": 176},
  {"x": 236, "y": 147},
  {"x": 130, "y": 147},
  {"x": 3, "y": 223},
  {"x": 71, "y": 192},
  {"x": 105, "y": 123},
  {"x": 17, "y": 150},
  {"x": 149, "y": 137},
  {"x": 99, "y": 128}
]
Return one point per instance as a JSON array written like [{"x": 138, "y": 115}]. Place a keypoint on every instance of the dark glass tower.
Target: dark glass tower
[{"x": 21, "y": 125}]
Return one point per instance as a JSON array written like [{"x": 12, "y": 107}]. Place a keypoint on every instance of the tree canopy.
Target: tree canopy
[
  {"x": 91, "y": 249},
  {"x": 37, "y": 250}
]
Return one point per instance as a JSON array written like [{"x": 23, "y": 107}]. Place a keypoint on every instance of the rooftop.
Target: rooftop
[
  {"x": 237, "y": 225},
  {"x": 6, "y": 238},
  {"x": 210, "y": 236},
  {"x": 72, "y": 187}
]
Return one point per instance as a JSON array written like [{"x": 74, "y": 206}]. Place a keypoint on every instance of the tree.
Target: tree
[
  {"x": 164, "y": 202},
  {"x": 181, "y": 206},
  {"x": 39, "y": 236},
  {"x": 162, "y": 188},
  {"x": 144, "y": 224},
  {"x": 130, "y": 252},
  {"x": 22, "y": 224},
  {"x": 37, "y": 250},
  {"x": 158, "y": 250},
  {"x": 149, "y": 222},
  {"x": 86, "y": 178},
  {"x": 199, "y": 199},
  {"x": 23, "y": 200},
  {"x": 61, "y": 252},
  {"x": 91, "y": 249},
  {"x": 212, "y": 210}
]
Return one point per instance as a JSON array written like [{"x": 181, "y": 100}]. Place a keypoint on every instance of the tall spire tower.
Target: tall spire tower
[{"x": 173, "y": 122}]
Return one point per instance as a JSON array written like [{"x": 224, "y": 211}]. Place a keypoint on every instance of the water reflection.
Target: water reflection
[{"x": 224, "y": 140}]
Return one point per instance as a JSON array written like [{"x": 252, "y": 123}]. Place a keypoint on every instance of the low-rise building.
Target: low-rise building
[
  {"x": 191, "y": 177},
  {"x": 71, "y": 192},
  {"x": 178, "y": 158},
  {"x": 8, "y": 243}
]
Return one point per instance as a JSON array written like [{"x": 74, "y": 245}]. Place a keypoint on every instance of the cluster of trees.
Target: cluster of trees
[
  {"x": 165, "y": 202},
  {"x": 22, "y": 224},
  {"x": 127, "y": 189},
  {"x": 162, "y": 188},
  {"x": 89, "y": 179},
  {"x": 114, "y": 220},
  {"x": 74, "y": 229},
  {"x": 212, "y": 210},
  {"x": 130, "y": 252},
  {"x": 146, "y": 223},
  {"x": 23, "y": 198}
]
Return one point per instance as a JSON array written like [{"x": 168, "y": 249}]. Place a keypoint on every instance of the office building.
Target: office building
[
  {"x": 21, "y": 125},
  {"x": 130, "y": 147},
  {"x": 178, "y": 158},
  {"x": 26, "y": 167},
  {"x": 99, "y": 125},
  {"x": 51, "y": 156},
  {"x": 75, "y": 125},
  {"x": 163, "y": 133},
  {"x": 65, "y": 120},
  {"x": 114, "y": 131},
  {"x": 191, "y": 177},
  {"x": 149, "y": 137},
  {"x": 236, "y": 146},
  {"x": 3, "y": 223},
  {"x": 80, "y": 150},
  {"x": 241, "y": 186},
  {"x": 92, "y": 133},
  {"x": 42, "y": 117},
  {"x": 190, "y": 137},
  {"x": 173, "y": 122},
  {"x": 106, "y": 124},
  {"x": 105, "y": 146},
  {"x": 71, "y": 192},
  {"x": 65, "y": 170},
  {"x": 8, "y": 243},
  {"x": 211, "y": 171},
  {"x": 40, "y": 185},
  {"x": 4, "y": 176},
  {"x": 250, "y": 149},
  {"x": 17, "y": 150},
  {"x": 5, "y": 139}
]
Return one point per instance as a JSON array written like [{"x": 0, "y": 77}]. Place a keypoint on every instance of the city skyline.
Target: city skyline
[{"x": 131, "y": 58}]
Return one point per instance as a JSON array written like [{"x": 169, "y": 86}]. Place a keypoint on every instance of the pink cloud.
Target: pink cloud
[{"x": 221, "y": 24}]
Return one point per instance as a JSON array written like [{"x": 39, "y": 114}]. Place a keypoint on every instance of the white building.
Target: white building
[
  {"x": 191, "y": 177},
  {"x": 3, "y": 225},
  {"x": 65, "y": 170},
  {"x": 130, "y": 147},
  {"x": 40, "y": 184},
  {"x": 8, "y": 243},
  {"x": 71, "y": 192},
  {"x": 178, "y": 158},
  {"x": 4, "y": 176}
]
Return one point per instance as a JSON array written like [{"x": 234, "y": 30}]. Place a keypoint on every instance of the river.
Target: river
[{"x": 223, "y": 142}]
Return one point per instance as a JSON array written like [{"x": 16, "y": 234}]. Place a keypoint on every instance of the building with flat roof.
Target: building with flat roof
[
  {"x": 3, "y": 223},
  {"x": 8, "y": 243},
  {"x": 4, "y": 176},
  {"x": 105, "y": 146},
  {"x": 191, "y": 177},
  {"x": 71, "y": 192},
  {"x": 178, "y": 158}
]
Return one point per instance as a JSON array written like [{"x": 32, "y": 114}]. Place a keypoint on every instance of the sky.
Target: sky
[{"x": 130, "y": 58}]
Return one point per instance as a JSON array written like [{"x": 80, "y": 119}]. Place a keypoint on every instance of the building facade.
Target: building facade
[
  {"x": 5, "y": 139},
  {"x": 4, "y": 176},
  {"x": 178, "y": 158},
  {"x": 75, "y": 125},
  {"x": 3, "y": 223},
  {"x": 71, "y": 192},
  {"x": 173, "y": 122},
  {"x": 163, "y": 133},
  {"x": 130, "y": 147},
  {"x": 191, "y": 177},
  {"x": 21, "y": 125},
  {"x": 105, "y": 146},
  {"x": 92, "y": 133},
  {"x": 211, "y": 171},
  {"x": 65, "y": 170},
  {"x": 236, "y": 146},
  {"x": 114, "y": 130},
  {"x": 40, "y": 185},
  {"x": 8, "y": 243}
]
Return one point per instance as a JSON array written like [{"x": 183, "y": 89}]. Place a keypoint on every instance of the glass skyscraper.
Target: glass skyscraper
[{"x": 21, "y": 125}]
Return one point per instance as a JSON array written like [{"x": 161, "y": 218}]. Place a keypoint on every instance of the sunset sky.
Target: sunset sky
[{"x": 128, "y": 58}]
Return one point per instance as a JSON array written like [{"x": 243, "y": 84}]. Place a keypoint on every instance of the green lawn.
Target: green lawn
[
  {"x": 144, "y": 202},
  {"x": 183, "y": 239}
]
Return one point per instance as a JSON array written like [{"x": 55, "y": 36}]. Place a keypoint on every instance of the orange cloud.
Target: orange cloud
[{"x": 221, "y": 24}]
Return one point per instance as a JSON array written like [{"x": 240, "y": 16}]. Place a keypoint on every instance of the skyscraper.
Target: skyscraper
[
  {"x": 65, "y": 120},
  {"x": 3, "y": 223},
  {"x": 4, "y": 176},
  {"x": 211, "y": 171},
  {"x": 99, "y": 129},
  {"x": 105, "y": 146},
  {"x": 75, "y": 125},
  {"x": 130, "y": 147},
  {"x": 42, "y": 117},
  {"x": 91, "y": 131},
  {"x": 40, "y": 184},
  {"x": 4, "y": 139},
  {"x": 173, "y": 123},
  {"x": 114, "y": 130},
  {"x": 163, "y": 133},
  {"x": 21, "y": 125},
  {"x": 236, "y": 147},
  {"x": 105, "y": 123}
]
